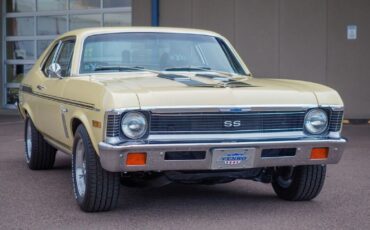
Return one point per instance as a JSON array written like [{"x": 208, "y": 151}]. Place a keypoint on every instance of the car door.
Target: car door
[{"x": 53, "y": 107}]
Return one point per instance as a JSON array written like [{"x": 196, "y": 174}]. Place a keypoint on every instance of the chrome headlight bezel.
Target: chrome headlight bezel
[
  {"x": 319, "y": 116},
  {"x": 134, "y": 118}
]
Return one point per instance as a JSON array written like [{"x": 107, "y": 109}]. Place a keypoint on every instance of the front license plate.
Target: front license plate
[{"x": 233, "y": 158}]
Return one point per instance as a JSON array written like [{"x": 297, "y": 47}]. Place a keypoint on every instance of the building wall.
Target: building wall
[
  {"x": 1, "y": 55},
  {"x": 141, "y": 13},
  {"x": 349, "y": 61},
  {"x": 297, "y": 39}
]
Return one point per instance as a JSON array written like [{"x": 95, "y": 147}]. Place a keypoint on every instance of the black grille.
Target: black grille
[
  {"x": 113, "y": 125},
  {"x": 215, "y": 122},
  {"x": 336, "y": 118},
  {"x": 250, "y": 122}
]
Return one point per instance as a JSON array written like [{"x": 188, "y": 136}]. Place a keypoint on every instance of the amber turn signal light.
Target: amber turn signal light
[
  {"x": 96, "y": 124},
  {"x": 319, "y": 153},
  {"x": 136, "y": 159}
]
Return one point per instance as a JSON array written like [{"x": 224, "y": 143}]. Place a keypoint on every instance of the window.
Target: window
[
  {"x": 62, "y": 54},
  {"x": 65, "y": 57},
  {"x": 30, "y": 26},
  {"x": 156, "y": 51},
  {"x": 50, "y": 59}
]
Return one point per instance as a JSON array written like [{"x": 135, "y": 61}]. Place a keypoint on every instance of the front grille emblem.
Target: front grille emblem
[{"x": 230, "y": 124}]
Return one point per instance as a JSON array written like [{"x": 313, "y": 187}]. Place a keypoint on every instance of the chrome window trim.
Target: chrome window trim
[{"x": 85, "y": 36}]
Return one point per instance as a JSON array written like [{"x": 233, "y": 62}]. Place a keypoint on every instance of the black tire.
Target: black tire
[
  {"x": 101, "y": 187},
  {"x": 304, "y": 184},
  {"x": 39, "y": 155}
]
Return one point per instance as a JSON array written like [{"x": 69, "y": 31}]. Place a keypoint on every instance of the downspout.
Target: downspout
[{"x": 155, "y": 12}]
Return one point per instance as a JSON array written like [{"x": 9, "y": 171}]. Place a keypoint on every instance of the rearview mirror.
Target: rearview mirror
[{"x": 54, "y": 70}]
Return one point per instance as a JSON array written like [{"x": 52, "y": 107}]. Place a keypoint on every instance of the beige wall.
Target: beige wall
[
  {"x": 298, "y": 39},
  {"x": 348, "y": 63}
]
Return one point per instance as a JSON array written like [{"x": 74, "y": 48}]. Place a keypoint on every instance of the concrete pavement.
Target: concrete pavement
[{"x": 44, "y": 199}]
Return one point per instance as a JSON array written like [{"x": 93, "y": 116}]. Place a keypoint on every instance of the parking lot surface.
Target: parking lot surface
[{"x": 44, "y": 199}]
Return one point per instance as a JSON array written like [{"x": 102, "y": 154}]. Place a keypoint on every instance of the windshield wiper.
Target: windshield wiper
[
  {"x": 188, "y": 68},
  {"x": 119, "y": 68}
]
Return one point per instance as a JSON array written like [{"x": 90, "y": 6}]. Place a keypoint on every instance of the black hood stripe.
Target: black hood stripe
[{"x": 191, "y": 82}]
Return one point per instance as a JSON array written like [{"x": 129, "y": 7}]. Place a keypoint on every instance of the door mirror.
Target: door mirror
[{"x": 54, "y": 70}]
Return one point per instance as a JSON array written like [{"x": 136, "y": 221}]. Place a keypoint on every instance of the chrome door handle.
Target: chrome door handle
[{"x": 40, "y": 87}]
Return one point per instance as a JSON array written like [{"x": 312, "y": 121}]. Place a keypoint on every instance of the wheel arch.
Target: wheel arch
[
  {"x": 26, "y": 111},
  {"x": 79, "y": 118}
]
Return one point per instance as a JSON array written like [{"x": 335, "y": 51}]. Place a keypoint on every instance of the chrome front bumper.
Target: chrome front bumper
[{"x": 113, "y": 157}]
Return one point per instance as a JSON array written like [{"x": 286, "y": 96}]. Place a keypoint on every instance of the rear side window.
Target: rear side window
[
  {"x": 50, "y": 59},
  {"x": 62, "y": 54},
  {"x": 64, "y": 57}
]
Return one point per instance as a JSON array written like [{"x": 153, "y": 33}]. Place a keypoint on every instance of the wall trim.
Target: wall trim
[{"x": 155, "y": 12}]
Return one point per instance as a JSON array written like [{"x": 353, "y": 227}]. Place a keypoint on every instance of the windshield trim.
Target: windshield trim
[{"x": 235, "y": 60}]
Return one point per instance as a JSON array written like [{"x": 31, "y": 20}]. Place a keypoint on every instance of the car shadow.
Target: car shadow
[{"x": 236, "y": 196}]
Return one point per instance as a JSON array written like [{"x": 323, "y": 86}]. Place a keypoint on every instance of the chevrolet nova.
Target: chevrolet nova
[{"x": 142, "y": 106}]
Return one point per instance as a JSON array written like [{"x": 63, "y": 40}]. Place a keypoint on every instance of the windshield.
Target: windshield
[{"x": 157, "y": 51}]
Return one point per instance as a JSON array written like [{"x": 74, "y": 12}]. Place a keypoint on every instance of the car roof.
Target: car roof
[{"x": 102, "y": 30}]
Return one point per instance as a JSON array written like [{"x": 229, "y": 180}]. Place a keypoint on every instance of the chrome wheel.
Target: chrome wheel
[
  {"x": 28, "y": 141},
  {"x": 80, "y": 168}
]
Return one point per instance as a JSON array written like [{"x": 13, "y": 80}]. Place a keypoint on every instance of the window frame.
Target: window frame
[
  {"x": 235, "y": 63},
  {"x": 57, "y": 45}
]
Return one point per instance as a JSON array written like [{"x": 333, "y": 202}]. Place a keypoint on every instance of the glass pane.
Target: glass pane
[
  {"x": 20, "y": 26},
  {"x": 20, "y": 5},
  {"x": 51, "y": 5},
  {"x": 117, "y": 19},
  {"x": 20, "y": 50},
  {"x": 84, "y": 4},
  {"x": 12, "y": 95},
  {"x": 51, "y": 25},
  {"x": 42, "y": 45},
  {"x": 65, "y": 57},
  {"x": 158, "y": 51},
  {"x": 15, "y": 73},
  {"x": 116, "y": 3},
  {"x": 82, "y": 21},
  {"x": 50, "y": 59}
]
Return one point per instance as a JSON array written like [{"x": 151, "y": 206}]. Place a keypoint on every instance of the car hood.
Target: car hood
[{"x": 185, "y": 89}]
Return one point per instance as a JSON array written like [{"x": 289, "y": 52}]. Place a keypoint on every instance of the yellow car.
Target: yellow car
[{"x": 138, "y": 106}]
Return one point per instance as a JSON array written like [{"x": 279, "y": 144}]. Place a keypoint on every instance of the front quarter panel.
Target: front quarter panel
[{"x": 89, "y": 98}]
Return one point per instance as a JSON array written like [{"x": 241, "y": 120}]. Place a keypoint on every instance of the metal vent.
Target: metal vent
[{"x": 113, "y": 125}]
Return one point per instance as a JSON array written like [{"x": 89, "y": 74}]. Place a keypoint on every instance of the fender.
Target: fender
[
  {"x": 77, "y": 114},
  {"x": 25, "y": 111}
]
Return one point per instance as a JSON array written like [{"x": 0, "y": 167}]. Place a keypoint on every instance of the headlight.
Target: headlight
[
  {"x": 134, "y": 125},
  {"x": 316, "y": 121}
]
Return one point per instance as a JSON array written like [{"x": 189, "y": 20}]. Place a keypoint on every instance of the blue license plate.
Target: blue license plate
[{"x": 233, "y": 158}]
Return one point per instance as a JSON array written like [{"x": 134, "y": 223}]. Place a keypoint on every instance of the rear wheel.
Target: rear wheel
[
  {"x": 95, "y": 189},
  {"x": 299, "y": 183},
  {"x": 38, "y": 153}
]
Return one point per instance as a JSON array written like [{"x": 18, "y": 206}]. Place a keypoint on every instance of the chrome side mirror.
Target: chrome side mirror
[{"x": 54, "y": 70}]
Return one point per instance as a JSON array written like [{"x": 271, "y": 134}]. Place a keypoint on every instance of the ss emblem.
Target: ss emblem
[{"x": 230, "y": 124}]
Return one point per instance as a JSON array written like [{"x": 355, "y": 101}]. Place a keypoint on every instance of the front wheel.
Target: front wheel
[
  {"x": 95, "y": 189},
  {"x": 299, "y": 183}
]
